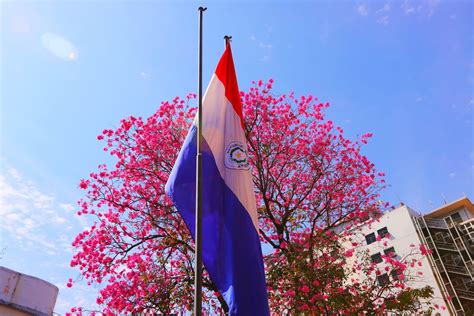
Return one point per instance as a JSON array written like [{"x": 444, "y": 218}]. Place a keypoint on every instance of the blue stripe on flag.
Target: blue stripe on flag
[{"x": 231, "y": 247}]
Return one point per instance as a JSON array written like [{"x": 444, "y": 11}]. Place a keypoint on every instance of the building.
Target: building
[
  {"x": 395, "y": 234},
  {"x": 448, "y": 235},
  {"x": 25, "y": 295}
]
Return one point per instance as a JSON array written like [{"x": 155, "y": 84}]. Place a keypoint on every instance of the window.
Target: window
[
  {"x": 376, "y": 258},
  {"x": 468, "y": 284},
  {"x": 383, "y": 279},
  {"x": 457, "y": 260},
  {"x": 395, "y": 274},
  {"x": 382, "y": 232},
  {"x": 447, "y": 258},
  {"x": 390, "y": 252},
  {"x": 370, "y": 238},
  {"x": 456, "y": 217},
  {"x": 439, "y": 236}
]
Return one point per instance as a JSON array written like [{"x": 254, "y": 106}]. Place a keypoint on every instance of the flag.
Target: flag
[{"x": 231, "y": 250}]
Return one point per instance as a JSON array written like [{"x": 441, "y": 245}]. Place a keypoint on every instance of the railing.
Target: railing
[
  {"x": 445, "y": 245},
  {"x": 470, "y": 267},
  {"x": 436, "y": 223},
  {"x": 467, "y": 228},
  {"x": 468, "y": 222},
  {"x": 455, "y": 233},
  {"x": 437, "y": 265},
  {"x": 466, "y": 294},
  {"x": 455, "y": 268}
]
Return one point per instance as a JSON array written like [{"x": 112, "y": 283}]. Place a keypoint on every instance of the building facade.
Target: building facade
[
  {"x": 25, "y": 295},
  {"x": 449, "y": 234},
  {"x": 446, "y": 234},
  {"x": 395, "y": 235}
]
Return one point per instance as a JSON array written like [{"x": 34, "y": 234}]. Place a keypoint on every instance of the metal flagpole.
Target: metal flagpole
[
  {"x": 227, "y": 39},
  {"x": 198, "y": 232}
]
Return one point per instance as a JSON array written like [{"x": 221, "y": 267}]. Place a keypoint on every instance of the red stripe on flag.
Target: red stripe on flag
[{"x": 225, "y": 71}]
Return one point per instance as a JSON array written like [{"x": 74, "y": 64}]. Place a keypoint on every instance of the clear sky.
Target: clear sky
[{"x": 403, "y": 70}]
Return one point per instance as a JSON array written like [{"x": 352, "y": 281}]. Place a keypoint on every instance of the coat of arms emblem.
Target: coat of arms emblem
[{"x": 236, "y": 156}]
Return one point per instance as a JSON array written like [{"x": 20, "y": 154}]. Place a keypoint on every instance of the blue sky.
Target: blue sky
[{"x": 403, "y": 70}]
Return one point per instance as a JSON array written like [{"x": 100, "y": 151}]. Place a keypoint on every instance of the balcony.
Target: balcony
[
  {"x": 441, "y": 244},
  {"x": 436, "y": 223},
  {"x": 468, "y": 295},
  {"x": 468, "y": 223},
  {"x": 454, "y": 268},
  {"x": 467, "y": 230}
]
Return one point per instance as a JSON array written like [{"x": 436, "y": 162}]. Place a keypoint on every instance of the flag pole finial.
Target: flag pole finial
[{"x": 227, "y": 39}]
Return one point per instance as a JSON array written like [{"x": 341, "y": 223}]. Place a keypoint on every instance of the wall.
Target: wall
[
  {"x": 24, "y": 293},
  {"x": 402, "y": 236}
]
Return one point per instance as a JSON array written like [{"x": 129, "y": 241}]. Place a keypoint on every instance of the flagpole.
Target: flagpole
[
  {"x": 198, "y": 239},
  {"x": 227, "y": 40}
]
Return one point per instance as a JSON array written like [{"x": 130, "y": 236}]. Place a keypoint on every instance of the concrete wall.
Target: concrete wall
[
  {"x": 402, "y": 235},
  {"x": 22, "y": 294},
  {"x": 9, "y": 311}
]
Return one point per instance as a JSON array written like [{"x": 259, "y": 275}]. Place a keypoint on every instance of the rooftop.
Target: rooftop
[{"x": 449, "y": 207}]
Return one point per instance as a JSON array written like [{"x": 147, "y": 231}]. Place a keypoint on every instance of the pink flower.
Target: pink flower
[
  {"x": 139, "y": 248},
  {"x": 83, "y": 184},
  {"x": 349, "y": 253},
  {"x": 290, "y": 293},
  {"x": 425, "y": 251}
]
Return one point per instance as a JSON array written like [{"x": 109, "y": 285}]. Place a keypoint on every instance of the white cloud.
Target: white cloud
[
  {"x": 144, "y": 75},
  {"x": 419, "y": 99},
  {"x": 424, "y": 8},
  {"x": 408, "y": 8},
  {"x": 421, "y": 9},
  {"x": 263, "y": 45},
  {"x": 260, "y": 43},
  {"x": 266, "y": 46},
  {"x": 383, "y": 20},
  {"x": 67, "y": 207},
  {"x": 14, "y": 173},
  {"x": 78, "y": 295},
  {"x": 59, "y": 220},
  {"x": 29, "y": 215},
  {"x": 36, "y": 227},
  {"x": 362, "y": 10},
  {"x": 452, "y": 175},
  {"x": 471, "y": 102},
  {"x": 386, "y": 8},
  {"x": 59, "y": 46},
  {"x": 431, "y": 6}
]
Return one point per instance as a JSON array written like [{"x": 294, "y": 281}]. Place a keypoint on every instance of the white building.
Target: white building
[
  {"x": 24, "y": 295},
  {"x": 449, "y": 234}
]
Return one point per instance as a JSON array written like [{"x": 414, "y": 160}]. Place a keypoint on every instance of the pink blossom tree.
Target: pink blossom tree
[{"x": 309, "y": 179}]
